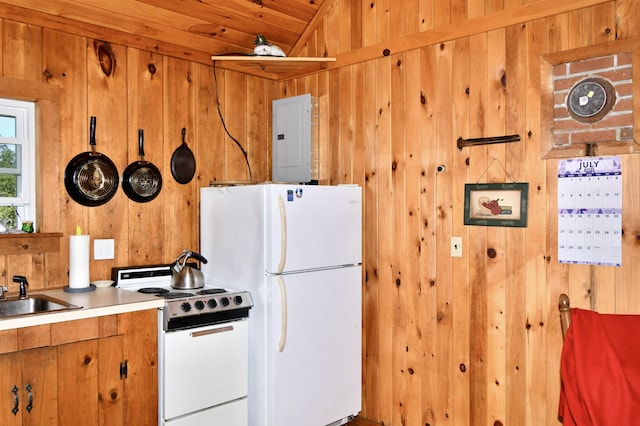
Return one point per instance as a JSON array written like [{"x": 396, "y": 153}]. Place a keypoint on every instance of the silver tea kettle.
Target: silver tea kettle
[{"x": 184, "y": 276}]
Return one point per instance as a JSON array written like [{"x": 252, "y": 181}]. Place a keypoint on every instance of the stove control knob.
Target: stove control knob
[
  {"x": 237, "y": 300},
  {"x": 212, "y": 303},
  {"x": 224, "y": 301},
  {"x": 186, "y": 307},
  {"x": 199, "y": 305}
]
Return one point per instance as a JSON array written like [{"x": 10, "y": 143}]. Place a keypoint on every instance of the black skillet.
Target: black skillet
[
  {"x": 91, "y": 178},
  {"x": 183, "y": 163},
  {"x": 141, "y": 180}
]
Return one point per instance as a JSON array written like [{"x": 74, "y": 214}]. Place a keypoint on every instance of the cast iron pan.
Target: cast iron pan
[
  {"x": 91, "y": 178},
  {"x": 183, "y": 163},
  {"x": 141, "y": 181}
]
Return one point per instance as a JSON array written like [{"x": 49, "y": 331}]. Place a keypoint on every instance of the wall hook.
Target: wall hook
[{"x": 463, "y": 143}]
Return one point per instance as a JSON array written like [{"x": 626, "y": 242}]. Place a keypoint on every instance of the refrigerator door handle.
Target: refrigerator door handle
[
  {"x": 281, "y": 284},
  {"x": 283, "y": 234},
  {"x": 283, "y": 323}
]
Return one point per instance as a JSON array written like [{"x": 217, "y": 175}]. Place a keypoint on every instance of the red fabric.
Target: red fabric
[{"x": 600, "y": 369}]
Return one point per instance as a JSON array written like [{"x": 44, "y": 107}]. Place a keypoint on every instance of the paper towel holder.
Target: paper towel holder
[
  {"x": 79, "y": 259},
  {"x": 68, "y": 289}
]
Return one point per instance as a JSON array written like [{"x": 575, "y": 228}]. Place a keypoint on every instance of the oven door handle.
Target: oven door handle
[{"x": 211, "y": 331}]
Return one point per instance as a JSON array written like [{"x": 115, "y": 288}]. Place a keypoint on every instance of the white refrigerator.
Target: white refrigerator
[{"x": 298, "y": 250}]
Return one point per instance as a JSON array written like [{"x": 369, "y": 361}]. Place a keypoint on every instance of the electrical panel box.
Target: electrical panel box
[{"x": 295, "y": 140}]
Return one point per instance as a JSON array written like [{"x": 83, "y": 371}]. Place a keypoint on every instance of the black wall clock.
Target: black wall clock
[{"x": 591, "y": 99}]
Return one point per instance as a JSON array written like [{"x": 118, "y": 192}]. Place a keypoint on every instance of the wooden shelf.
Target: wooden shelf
[
  {"x": 274, "y": 67},
  {"x": 21, "y": 243}
]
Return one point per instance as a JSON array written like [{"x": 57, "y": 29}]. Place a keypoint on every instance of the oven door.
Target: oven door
[
  {"x": 233, "y": 413},
  {"x": 203, "y": 367}
]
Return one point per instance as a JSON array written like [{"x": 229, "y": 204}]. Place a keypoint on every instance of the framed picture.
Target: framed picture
[{"x": 496, "y": 204}]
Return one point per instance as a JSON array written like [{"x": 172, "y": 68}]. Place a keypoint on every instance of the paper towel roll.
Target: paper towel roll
[{"x": 79, "y": 261}]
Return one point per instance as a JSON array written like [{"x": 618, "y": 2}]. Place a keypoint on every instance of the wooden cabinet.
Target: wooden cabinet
[
  {"x": 140, "y": 332},
  {"x": 28, "y": 391},
  {"x": 107, "y": 375},
  {"x": 37, "y": 243},
  {"x": 90, "y": 390}
]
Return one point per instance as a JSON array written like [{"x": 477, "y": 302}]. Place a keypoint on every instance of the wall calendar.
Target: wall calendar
[{"x": 590, "y": 211}]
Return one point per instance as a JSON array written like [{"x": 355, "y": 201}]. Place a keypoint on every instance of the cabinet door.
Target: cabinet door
[
  {"x": 10, "y": 377},
  {"x": 33, "y": 375},
  {"x": 78, "y": 383},
  {"x": 91, "y": 391},
  {"x": 110, "y": 385},
  {"x": 39, "y": 387},
  {"x": 141, "y": 352}
]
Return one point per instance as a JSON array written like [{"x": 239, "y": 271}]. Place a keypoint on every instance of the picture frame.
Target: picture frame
[{"x": 496, "y": 204}]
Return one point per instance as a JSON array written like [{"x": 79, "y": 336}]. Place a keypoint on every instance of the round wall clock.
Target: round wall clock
[{"x": 591, "y": 99}]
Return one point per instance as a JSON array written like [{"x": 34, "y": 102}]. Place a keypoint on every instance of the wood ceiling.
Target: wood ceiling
[{"x": 191, "y": 29}]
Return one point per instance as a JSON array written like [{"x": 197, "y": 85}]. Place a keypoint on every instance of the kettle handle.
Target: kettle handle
[
  {"x": 197, "y": 256},
  {"x": 177, "y": 267}
]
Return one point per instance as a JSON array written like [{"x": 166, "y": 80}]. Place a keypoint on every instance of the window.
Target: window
[{"x": 17, "y": 163}]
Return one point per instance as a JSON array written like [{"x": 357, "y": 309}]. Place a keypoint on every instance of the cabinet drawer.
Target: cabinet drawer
[{"x": 58, "y": 333}]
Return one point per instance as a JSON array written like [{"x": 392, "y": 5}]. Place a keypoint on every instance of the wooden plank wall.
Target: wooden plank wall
[
  {"x": 472, "y": 340},
  {"x": 156, "y": 93},
  {"x": 446, "y": 341}
]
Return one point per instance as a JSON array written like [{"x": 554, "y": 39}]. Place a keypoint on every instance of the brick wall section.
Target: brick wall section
[{"x": 617, "y": 125}]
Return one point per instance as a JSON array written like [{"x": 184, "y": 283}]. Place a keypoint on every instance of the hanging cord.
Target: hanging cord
[
  {"x": 489, "y": 165},
  {"x": 244, "y": 152}
]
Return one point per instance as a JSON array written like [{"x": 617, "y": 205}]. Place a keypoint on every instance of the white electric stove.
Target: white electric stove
[{"x": 202, "y": 348}]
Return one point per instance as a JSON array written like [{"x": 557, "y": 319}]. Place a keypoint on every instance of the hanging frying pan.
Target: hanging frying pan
[
  {"x": 183, "y": 163},
  {"x": 141, "y": 180},
  {"x": 91, "y": 178}
]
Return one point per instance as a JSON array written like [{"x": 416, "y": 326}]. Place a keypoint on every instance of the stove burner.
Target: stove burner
[
  {"x": 153, "y": 290},
  {"x": 175, "y": 295},
  {"x": 212, "y": 291}
]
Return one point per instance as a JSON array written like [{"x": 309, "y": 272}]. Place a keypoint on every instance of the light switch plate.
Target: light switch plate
[
  {"x": 456, "y": 246},
  {"x": 103, "y": 249}
]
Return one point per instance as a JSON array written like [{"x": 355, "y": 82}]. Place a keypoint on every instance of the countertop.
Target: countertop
[{"x": 100, "y": 302}]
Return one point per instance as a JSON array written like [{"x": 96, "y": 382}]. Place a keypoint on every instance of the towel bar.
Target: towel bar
[{"x": 565, "y": 313}]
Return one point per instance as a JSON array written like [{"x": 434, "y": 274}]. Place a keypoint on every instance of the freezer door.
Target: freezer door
[
  {"x": 310, "y": 227},
  {"x": 315, "y": 374}
]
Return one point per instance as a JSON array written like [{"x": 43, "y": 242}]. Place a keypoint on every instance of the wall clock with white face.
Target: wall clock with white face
[{"x": 591, "y": 99}]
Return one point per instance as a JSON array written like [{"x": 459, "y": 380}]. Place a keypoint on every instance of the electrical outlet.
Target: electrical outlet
[
  {"x": 103, "y": 249},
  {"x": 456, "y": 246}
]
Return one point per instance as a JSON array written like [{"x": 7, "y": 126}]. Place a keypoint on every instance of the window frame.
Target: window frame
[{"x": 25, "y": 114}]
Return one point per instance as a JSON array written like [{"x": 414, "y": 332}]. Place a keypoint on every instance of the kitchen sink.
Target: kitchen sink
[{"x": 37, "y": 304}]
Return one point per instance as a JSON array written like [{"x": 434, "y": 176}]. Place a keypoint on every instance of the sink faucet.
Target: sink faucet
[{"x": 23, "y": 285}]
